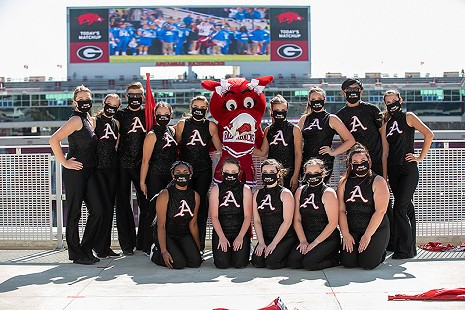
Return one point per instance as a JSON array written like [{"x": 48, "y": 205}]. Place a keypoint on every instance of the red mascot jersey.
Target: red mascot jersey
[{"x": 238, "y": 106}]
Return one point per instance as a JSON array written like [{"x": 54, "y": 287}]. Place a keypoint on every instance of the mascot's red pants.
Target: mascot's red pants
[{"x": 248, "y": 169}]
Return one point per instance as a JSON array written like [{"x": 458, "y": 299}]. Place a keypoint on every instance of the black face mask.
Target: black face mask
[
  {"x": 134, "y": 102},
  {"x": 269, "y": 178},
  {"x": 163, "y": 120},
  {"x": 317, "y": 105},
  {"x": 84, "y": 105},
  {"x": 313, "y": 179},
  {"x": 279, "y": 116},
  {"x": 198, "y": 113},
  {"x": 109, "y": 110},
  {"x": 394, "y": 107},
  {"x": 361, "y": 169},
  {"x": 182, "y": 179},
  {"x": 353, "y": 96},
  {"x": 230, "y": 178}
]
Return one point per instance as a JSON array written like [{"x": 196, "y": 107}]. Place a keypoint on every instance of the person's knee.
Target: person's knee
[
  {"x": 369, "y": 264},
  {"x": 273, "y": 263},
  {"x": 194, "y": 262},
  {"x": 179, "y": 263}
]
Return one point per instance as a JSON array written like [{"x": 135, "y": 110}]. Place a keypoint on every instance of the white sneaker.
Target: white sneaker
[
  {"x": 116, "y": 53},
  {"x": 123, "y": 53}
]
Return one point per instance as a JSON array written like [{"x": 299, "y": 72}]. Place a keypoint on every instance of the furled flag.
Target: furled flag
[
  {"x": 149, "y": 104},
  {"x": 438, "y": 294}
]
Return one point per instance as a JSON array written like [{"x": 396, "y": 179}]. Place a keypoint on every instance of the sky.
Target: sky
[{"x": 350, "y": 37}]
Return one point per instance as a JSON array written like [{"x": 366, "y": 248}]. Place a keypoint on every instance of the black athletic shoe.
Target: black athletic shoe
[
  {"x": 112, "y": 253},
  {"x": 84, "y": 261},
  {"x": 128, "y": 252},
  {"x": 102, "y": 256},
  {"x": 92, "y": 257}
]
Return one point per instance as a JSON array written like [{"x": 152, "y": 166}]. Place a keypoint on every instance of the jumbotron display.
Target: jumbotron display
[{"x": 187, "y": 36}]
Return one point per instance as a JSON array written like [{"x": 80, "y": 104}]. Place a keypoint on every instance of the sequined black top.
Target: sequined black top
[
  {"x": 281, "y": 141},
  {"x": 231, "y": 208},
  {"x": 132, "y": 135},
  {"x": 107, "y": 134},
  {"x": 195, "y": 144},
  {"x": 400, "y": 137},
  {"x": 83, "y": 143},
  {"x": 316, "y": 133}
]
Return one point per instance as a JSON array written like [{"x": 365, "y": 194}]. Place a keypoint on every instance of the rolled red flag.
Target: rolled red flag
[
  {"x": 149, "y": 104},
  {"x": 437, "y": 294}
]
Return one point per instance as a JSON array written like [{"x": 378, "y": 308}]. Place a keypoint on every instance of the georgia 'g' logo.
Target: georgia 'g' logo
[
  {"x": 89, "y": 53},
  {"x": 289, "y": 51}
]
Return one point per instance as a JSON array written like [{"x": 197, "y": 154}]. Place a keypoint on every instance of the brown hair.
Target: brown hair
[
  {"x": 314, "y": 161},
  {"x": 279, "y": 99},
  {"x": 357, "y": 148},
  {"x": 134, "y": 85},
  {"x": 279, "y": 167},
  {"x": 315, "y": 89},
  {"x": 231, "y": 160},
  {"x": 79, "y": 89},
  {"x": 195, "y": 98},
  {"x": 385, "y": 114},
  {"x": 112, "y": 95},
  {"x": 162, "y": 104}
]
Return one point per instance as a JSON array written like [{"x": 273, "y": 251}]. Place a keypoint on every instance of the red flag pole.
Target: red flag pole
[{"x": 149, "y": 104}]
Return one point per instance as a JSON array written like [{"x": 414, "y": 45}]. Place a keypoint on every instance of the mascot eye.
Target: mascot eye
[
  {"x": 249, "y": 102},
  {"x": 231, "y": 105}
]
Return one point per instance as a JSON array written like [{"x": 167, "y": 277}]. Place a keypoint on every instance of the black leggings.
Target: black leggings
[
  {"x": 200, "y": 183},
  {"x": 374, "y": 254},
  {"x": 155, "y": 184},
  {"x": 124, "y": 213},
  {"x": 107, "y": 180},
  {"x": 403, "y": 180},
  {"x": 183, "y": 251},
  {"x": 324, "y": 255},
  {"x": 80, "y": 185},
  {"x": 277, "y": 259},
  {"x": 237, "y": 259}
]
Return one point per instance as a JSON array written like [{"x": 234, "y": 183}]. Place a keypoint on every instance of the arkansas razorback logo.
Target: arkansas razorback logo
[
  {"x": 289, "y": 17},
  {"x": 89, "y": 18}
]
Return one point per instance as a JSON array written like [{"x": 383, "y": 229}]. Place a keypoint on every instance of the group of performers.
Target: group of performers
[{"x": 298, "y": 219}]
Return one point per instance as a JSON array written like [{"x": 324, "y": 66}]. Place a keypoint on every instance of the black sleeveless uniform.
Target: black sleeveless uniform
[
  {"x": 270, "y": 210},
  {"x": 231, "y": 218},
  {"x": 360, "y": 207},
  {"x": 195, "y": 146},
  {"x": 159, "y": 176},
  {"x": 281, "y": 147},
  {"x": 80, "y": 185},
  {"x": 403, "y": 179},
  {"x": 179, "y": 241},
  {"x": 364, "y": 121},
  {"x": 316, "y": 133},
  {"x": 130, "y": 150},
  {"x": 107, "y": 178},
  {"x": 314, "y": 221}
]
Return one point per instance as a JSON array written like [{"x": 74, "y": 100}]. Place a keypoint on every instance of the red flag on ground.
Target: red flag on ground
[
  {"x": 149, "y": 104},
  {"x": 438, "y": 294}
]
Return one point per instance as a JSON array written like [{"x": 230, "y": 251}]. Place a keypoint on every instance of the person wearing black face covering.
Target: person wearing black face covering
[
  {"x": 282, "y": 141},
  {"x": 231, "y": 214},
  {"x": 318, "y": 129},
  {"x": 159, "y": 154},
  {"x": 315, "y": 221},
  {"x": 400, "y": 165},
  {"x": 130, "y": 150},
  {"x": 194, "y": 135},
  {"x": 273, "y": 209},
  {"x": 363, "y": 199},
  {"x": 177, "y": 242},
  {"x": 79, "y": 178},
  {"x": 107, "y": 131}
]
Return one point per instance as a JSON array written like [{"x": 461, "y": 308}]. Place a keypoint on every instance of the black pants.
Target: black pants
[
  {"x": 277, "y": 259},
  {"x": 80, "y": 185},
  {"x": 374, "y": 254},
  {"x": 200, "y": 183},
  {"x": 107, "y": 180},
  {"x": 154, "y": 185},
  {"x": 404, "y": 180},
  {"x": 236, "y": 259},
  {"x": 183, "y": 251},
  {"x": 324, "y": 255},
  {"x": 124, "y": 214}
]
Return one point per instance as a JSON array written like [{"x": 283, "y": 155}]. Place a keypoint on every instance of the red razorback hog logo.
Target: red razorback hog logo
[
  {"x": 289, "y": 17},
  {"x": 89, "y": 18}
]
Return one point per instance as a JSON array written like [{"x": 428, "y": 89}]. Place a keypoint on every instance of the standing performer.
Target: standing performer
[
  {"x": 400, "y": 164},
  {"x": 231, "y": 214},
  {"x": 159, "y": 154},
  {"x": 132, "y": 134},
  {"x": 107, "y": 131},
  {"x": 177, "y": 241},
  {"x": 273, "y": 208},
  {"x": 78, "y": 177},
  {"x": 315, "y": 221},
  {"x": 363, "y": 200},
  {"x": 318, "y": 129},
  {"x": 194, "y": 135},
  {"x": 283, "y": 141}
]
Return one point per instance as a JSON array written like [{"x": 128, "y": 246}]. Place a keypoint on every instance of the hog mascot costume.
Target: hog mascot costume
[{"x": 238, "y": 107}]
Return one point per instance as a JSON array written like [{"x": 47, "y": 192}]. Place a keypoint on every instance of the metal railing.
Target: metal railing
[{"x": 32, "y": 195}]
